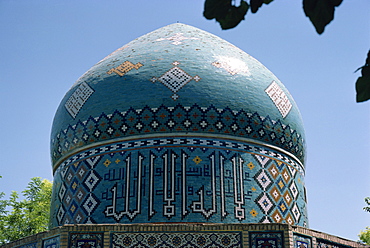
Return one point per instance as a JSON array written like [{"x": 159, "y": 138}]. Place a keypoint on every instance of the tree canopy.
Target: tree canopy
[
  {"x": 320, "y": 13},
  {"x": 365, "y": 234},
  {"x": 23, "y": 217}
]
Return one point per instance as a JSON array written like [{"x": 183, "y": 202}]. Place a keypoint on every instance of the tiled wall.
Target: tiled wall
[{"x": 183, "y": 235}]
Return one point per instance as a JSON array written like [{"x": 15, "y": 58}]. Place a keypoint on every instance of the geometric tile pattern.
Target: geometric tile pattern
[
  {"x": 76, "y": 193},
  {"x": 82, "y": 240},
  {"x": 53, "y": 242},
  {"x": 78, "y": 99},
  {"x": 177, "y": 239},
  {"x": 279, "y": 98},
  {"x": 266, "y": 239},
  {"x": 301, "y": 241},
  {"x": 179, "y": 119},
  {"x": 175, "y": 79},
  {"x": 191, "y": 179},
  {"x": 275, "y": 200}
]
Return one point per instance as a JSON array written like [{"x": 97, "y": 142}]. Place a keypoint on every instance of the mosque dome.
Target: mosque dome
[{"x": 178, "y": 125}]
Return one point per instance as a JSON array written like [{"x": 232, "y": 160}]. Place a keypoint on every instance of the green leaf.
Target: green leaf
[
  {"x": 216, "y": 8},
  {"x": 234, "y": 16},
  {"x": 363, "y": 85},
  {"x": 320, "y": 12},
  {"x": 363, "y": 89},
  {"x": 28, "y": 216},
  {"x": 256, "y": 4},
  {"x": 365, "y": 236}
]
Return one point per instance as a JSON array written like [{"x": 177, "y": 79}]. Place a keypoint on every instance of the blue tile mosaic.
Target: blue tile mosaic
[
  {"x": 177, "y": 239},
  {"x": 178, "y": 126},
  {"x": 177, "y": 66},
  {"x": 178, "y": 119},
  {"x": 86, "y": 239},
  {"x": 266, "y": 240},
  {"x": 301, "y": 241},
  {"x": 179, "y": 179},
  {"x": 53, "y": 242}
]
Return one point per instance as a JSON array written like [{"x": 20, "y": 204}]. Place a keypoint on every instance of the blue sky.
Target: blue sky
[{"x": 47, "y": 45}]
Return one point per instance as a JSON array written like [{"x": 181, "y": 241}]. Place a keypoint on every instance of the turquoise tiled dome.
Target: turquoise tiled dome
[
  {"x": 178, "y": 66},
  {"x": 177, "y": 87}
]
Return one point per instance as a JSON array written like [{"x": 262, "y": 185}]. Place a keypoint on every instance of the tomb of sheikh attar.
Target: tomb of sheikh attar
[{"x": 179, "y": 139}]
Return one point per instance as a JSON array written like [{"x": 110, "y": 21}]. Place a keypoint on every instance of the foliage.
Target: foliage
[
  {"x": 229, "y": 16},
  {"x": 365, "y": 236},
  {"x": 367, "y": 208},
  {"x": 363, "y": 92},
  {"x": 21, "y": 218},
  {"x": 320, "y": 13}
]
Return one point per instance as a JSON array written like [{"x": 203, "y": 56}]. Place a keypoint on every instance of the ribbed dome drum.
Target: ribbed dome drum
[{"x": 178, "y": 126}]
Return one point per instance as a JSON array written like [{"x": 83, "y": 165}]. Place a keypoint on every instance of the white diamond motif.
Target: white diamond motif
[
  {"x": 265, "y": 203},
  {"x": 264, "y": 180},
  {"x": 60, "y": 214},
  {"x": 294, "y": 190},
  {"x": 296, "y": 212},
  {"x": 175, "y": 79},
  {"x": 90, "y": 204},
  {"x": 91, "y": 181},
  {"x": 62, "y": 192}
]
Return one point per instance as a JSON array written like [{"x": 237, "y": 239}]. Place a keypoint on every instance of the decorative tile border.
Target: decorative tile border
[
  {"x": 183, "y": 141},
  {"x": 86, "y": 239},
  {"x": 202, "y": 175},
  {"x": 178, "y": 119},
  {"x": 266, "y": 239},
  {"x": 177, "y": 239},
  {"x": 301, "y": 241}
]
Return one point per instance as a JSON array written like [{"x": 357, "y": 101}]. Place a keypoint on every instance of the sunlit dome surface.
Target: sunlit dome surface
[{"x": 183, "y": 67}]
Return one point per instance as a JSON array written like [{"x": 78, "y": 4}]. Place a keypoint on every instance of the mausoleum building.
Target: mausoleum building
[{"x": 179, "y": 139}]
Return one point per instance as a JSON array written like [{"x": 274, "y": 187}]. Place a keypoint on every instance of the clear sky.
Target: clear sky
[{"x": 45, "y": 46}]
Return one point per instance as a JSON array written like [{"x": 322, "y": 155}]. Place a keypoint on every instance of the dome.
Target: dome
[{"x": 172, "y": 118}]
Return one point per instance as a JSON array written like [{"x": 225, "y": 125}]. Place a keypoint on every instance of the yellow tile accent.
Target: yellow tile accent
[
  {"x": 197, "y": 160},
  {"x": 253, "y": 213},
  {"x": 125, "y": 67},
  {"x": 282, "y": 207},
  {"x": 74, "y": 186},
  {"x": 107, "y": 162},
  {"x": 281, "y": 184}
]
